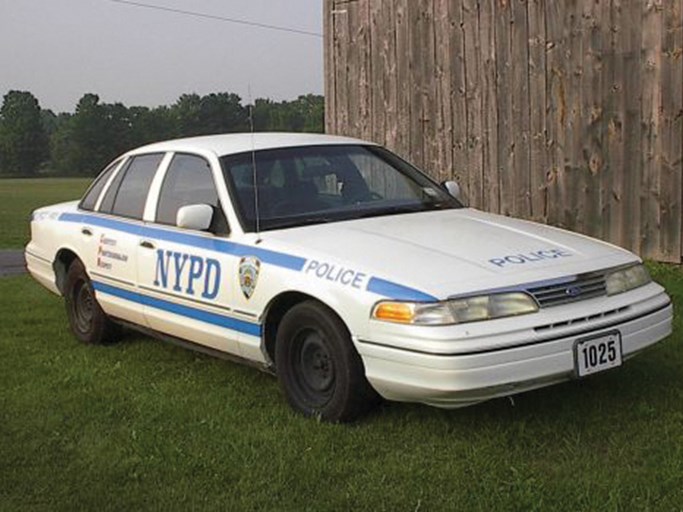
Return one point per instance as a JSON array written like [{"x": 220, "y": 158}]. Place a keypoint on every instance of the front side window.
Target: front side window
[
  {"x": 90, "y": 198},
  {"x": 187, "y": 181},
  {"x": 313, "y": 184},
  {"x": 128, "y": 192}
]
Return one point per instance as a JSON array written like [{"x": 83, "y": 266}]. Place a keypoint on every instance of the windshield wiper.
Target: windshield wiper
[
  {"x": 296, "y": 222},
  {"x": 399, "y": 209}
]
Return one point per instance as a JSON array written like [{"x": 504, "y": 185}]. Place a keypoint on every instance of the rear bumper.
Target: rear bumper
[
  {"x": 41, "y": 269},
  {"x": 456, "y": 380}
]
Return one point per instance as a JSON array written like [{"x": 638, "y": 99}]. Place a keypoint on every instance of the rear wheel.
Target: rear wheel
[
  {"x": 87, "y": 320},
  {"x": 318, "y": 368}
]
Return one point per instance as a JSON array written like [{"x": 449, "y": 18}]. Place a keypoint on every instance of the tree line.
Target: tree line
[{"x": 37, "y": 141}]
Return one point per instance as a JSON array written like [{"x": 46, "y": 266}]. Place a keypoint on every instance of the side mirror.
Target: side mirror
[
  {"x": 194, "y": 216},
  {"x": 452, "y": 188}
]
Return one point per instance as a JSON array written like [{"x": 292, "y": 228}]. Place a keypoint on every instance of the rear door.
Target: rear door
[{"x": 115, "y": 232}]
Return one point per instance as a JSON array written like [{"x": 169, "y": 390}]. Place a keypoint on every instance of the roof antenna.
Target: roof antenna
[{"x": 257, "y": 211}]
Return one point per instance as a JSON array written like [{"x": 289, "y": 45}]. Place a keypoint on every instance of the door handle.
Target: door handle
[
  {"x": 86, "y": 231},
  {"x": 147, "y": 244}
]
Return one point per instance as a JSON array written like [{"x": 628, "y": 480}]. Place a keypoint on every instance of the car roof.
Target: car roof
[{"x": 233, "y": 143}]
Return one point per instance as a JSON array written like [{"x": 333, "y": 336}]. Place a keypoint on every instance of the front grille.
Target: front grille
[
  {"x": 584, "y": 287},
  {"x": 581, "y": 320}
]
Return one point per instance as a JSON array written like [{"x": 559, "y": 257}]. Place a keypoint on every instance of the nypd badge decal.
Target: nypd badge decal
[{"x": 249, "y": 269}]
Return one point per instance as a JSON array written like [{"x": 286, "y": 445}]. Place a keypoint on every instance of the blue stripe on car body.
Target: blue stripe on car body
[
  {"x": 196, "y": 314},
  {"x": 397, "y": 291}
]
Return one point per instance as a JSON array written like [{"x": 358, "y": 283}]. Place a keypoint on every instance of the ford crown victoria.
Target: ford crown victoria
[{"x": 341, "y": 268}]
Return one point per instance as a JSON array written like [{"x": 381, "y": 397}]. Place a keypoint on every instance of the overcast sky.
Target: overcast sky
[{"x": 61, "y": 49}]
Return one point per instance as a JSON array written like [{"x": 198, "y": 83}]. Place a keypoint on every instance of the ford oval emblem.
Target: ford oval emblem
[{"x": 573, "y": 291}]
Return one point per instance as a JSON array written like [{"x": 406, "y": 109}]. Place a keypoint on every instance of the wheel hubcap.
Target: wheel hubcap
[
  {"x": 84, "y": 306},
  {"x": 316, "y": 369}
]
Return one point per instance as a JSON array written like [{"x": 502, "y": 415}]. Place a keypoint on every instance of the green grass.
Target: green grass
[
  {"x": 19, "y": 197},
  {"x": 146, "y": 425}
]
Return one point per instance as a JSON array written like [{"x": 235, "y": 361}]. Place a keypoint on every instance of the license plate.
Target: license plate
[{"x": 597, "y": 354}]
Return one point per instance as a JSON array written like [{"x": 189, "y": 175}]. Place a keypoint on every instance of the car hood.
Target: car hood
[{"x": 450, "y": 252}]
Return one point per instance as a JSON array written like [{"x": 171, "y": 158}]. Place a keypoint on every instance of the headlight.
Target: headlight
[
  {"x": 626, "y": 279},
  {"x": 455, "y": 311}
]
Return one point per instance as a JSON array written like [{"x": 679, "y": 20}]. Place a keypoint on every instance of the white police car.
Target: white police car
[{"x": 342, "y": 268}]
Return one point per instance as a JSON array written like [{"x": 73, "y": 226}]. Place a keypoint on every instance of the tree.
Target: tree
[
  {"x": 186, "y": 114},
  {"x": 93, "y": 136},
  {"x": 23, "y": 139},
  {"x": 223, "y": 113},
  {"x": 312, "y": 109},
  {"x": 262, "y": 114},
  {"x": 151, "y": 125},
  {"x": 82, "y": 143},
  {"x": 213, "y": 113},
  {"x": 305, "y": 114}
]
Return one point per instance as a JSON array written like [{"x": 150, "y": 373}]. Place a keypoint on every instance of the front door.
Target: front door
[{"x": 184, "y": 274}]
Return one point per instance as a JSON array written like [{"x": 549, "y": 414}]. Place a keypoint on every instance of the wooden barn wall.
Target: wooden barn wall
[{"x": 566, "y": 112}]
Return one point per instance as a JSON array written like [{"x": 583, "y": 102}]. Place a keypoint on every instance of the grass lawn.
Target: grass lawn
[
  {"x": 146, "y": 425},
  {"x": 19, "y": 197}
]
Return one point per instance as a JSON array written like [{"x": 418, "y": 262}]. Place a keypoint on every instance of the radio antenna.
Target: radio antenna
[{"x": 257, "y": 210}]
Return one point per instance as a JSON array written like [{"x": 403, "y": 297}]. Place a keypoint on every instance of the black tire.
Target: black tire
[
  {"x": 87, "y": 320},
  {"x": 319, "y": 370}
]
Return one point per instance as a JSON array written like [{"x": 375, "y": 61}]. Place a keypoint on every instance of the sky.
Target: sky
[{"x": 62, "y": 49}]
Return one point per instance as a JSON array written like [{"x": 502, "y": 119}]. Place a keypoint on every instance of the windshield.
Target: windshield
[{"x": 315, "y": 184}]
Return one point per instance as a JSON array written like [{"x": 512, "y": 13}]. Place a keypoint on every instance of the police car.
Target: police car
[{"x": 343, "y": 269}]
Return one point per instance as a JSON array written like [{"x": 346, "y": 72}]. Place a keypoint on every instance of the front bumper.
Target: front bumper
[{"x": 515, "y": 360}]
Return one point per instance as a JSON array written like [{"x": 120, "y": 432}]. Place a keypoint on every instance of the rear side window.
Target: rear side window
[
  {"x": 187, "y": 181},
  {"x": 128, "y": 192},
  {"x": 90, "y": 198}
]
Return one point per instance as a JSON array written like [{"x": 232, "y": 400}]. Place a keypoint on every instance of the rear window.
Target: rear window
[
  {"x": 90, "y": 198},
  {"x": 128, "y": 193}
]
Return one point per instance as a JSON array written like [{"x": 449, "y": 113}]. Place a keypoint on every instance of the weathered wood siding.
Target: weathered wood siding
[{"x": 567, "y": 112}]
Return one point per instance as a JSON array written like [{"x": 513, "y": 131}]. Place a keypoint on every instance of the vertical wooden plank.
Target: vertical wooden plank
[
  {"x": 556, "y": 112},
  {"x": 444, "y": 115},
  {"x": 573, "y": 178},
  {"x": 458, "y": 105},
  {"x": 364, "y": 63},
  {"x": 341, "y": 61},
  {"x": 473, "y": 149},
  {"x": 616, "y": 127},
  {"x": 353, "y": 65},
  {"x": 387, "y": 28},
  {"x": 608, "y": 105},
  {"x": 671, "y": 130},
  {"x": 538, "y": 168},
  {"x": 505, "y": 85},
  {"x": 651, "y": 68},
  {"x": 630, "y": 45},
  {"x": 379, "y": 80},
  {"x": 329, "y": 66},
  {"x": 403, "y": 78},
  {"x": 593, "y": 124},
  {"x": 415, "y": 82},
  {"x": 519, "y": 37},
  {"x": 487, "y": 15},
  {"x": 428, "y": 73}
]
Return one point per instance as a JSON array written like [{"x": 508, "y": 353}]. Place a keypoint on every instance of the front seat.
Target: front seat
[{"x": 300, "y": 197}]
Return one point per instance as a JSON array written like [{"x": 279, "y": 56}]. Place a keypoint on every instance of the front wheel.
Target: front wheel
[
  {"x": 87, "y": 320},
  {"x": 319, "y": 371}
]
